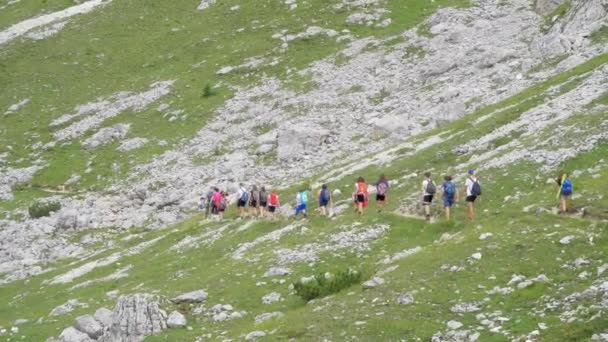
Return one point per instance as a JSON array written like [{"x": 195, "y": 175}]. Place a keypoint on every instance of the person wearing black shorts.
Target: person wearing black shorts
[{"x": 427, "y": 195}]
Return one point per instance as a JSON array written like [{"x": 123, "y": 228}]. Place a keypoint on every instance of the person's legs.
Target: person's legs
[{"x": 470, "y": 213}]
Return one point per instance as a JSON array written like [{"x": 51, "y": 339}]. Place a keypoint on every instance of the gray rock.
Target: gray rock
[
  {"x": 132, "y": 144},
  {"x": 176, "y": 320},
  {"x": 266, "y": 316},
  {"x": 88, "y": 325},
  {"x": 103, "y": 316},
  {"x": 271, "y": 298},
  {"x": 191, "y": 297},
  {"x": 454, "y": 325},
  {"x": 106, "y": 135},
  {"x": 406, "y": 299},
  {"x": 375, "y": 281},
  {"x": 68, "y": 306},
  {"x": 135, "y": 317},
  {"x": 265, "y": 149},
  {"x": 277, "y": 271},
  {"x": 254, "y": 335},
  {"x": 296, "y": 140},
  {"x": 72, "y": 335}
]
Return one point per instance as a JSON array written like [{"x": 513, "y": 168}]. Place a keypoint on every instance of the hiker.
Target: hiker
[
  {"x": 565, "y": 191},
  {"x": 381, "y": 192},
  {"x": 263, "y": 201},
  {"x": 243, "y": 198},
  {"x": 302, "y": 203},
  {"x": 254, "y": 200},
  {"x": 449, "y": 195},
  {"x": 207, "y": 201},
  {"x": 273, "y": 203},
  {"x": 428, "y": 192},
  {"x": 324, "y": 200},
  {"x": 360, "y": 195},
  {"x": 216, "y": 199},
  {"x": 472, "y": 189},
  {"x": 223, "y": 203}
]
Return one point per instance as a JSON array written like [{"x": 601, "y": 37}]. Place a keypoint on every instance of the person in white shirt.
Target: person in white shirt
[
  {"x": 471, "y": 196},
  {"x": 428, "y": 191}
]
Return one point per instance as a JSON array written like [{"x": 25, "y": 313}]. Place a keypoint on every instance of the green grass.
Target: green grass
[{"x": 557, "y": 14}]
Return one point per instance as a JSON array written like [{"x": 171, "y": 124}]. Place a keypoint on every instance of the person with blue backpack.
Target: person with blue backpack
[
  {"x": 565, "y": 191},
  {"x": 449, "y": 195},
  {"x": 324, "y": 200}
]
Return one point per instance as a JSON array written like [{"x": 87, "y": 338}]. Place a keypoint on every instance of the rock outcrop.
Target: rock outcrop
[{"x": 135, "y": 317}]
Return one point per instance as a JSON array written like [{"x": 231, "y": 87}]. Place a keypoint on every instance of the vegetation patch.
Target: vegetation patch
[
  {"x": 324, "y": 284},
  {"x": 40, "y": 209}
]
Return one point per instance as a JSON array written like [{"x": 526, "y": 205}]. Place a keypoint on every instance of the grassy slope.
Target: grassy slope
[
  {"x": 522, "y": 244},
  {"x": 126, "y": 46}
]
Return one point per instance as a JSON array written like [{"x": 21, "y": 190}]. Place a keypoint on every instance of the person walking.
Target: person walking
[
  {"x": 243, "y": 199},
  {"x": 207, "y": 201},
  {"x": 302, "y": 203},
  {"x": 324, "y": 200},
  {"x": 449, "y": 195},
  {"x": 223, "y": 203},
  {"x": 263, "y": 201},
  {"x": 428, "y": 192},
  {"x": 216, "y": 200},
  {"x": 254, "y": 201},
  {"x": 382, "y": 187},
  {"x": 360, "y": 195},
  {"x": 472, "y": 190},
  {"x": 565, "y": 191},
  {"x": 273, "y": 203}
]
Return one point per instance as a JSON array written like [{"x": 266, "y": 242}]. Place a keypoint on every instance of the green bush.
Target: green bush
[
  {"x": 40, "y": 209},
  {"x": 324, "y": 284},
  {"x": 208, "y": 90}
]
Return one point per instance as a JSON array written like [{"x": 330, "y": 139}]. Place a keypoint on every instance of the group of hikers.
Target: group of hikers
[{"x": 260, "y": 203}]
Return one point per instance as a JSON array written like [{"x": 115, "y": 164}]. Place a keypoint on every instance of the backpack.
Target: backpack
[
  {"x": 476, "y": 188},
  {"x": 244, "y": 196},
  {"x": 449, "y": 189},
  {"x": 274, "y": 199},
  {"x": 567, "y": 187},
  {"x": 382, "y": 188},
  {"x": 263, "y": 197},
  {"x": 430, "y": 187},
  {"x": 324, "y": 195},
  {"x": 303, "y": 197},
  {"x": 361, "y": 188}
]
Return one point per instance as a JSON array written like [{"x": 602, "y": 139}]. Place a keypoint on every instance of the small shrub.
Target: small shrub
[
  {"x": 40, "y": 209},
  {"x": 324, "y": 284},
  {"x": 208, "y": 91}
]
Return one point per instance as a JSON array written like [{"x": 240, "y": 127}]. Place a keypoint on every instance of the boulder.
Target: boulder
[
  {"x": 176, "y": 320},
  {"x": 88, "y": 325},
  {"x": 191, "y": 297},
  {"x": 106, "y": 135},
  {"x": 135, "y": 317},
  {"x": 254, "y": 335},
  {"x": 375, "y": 281},
  {"x": 72, "y": 335},
  {"x": 103, "y": 316},
  {"x": 296, "y": 140}
]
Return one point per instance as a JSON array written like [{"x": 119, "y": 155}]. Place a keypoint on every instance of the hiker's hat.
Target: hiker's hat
[{"x": 471, "y": 171}]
